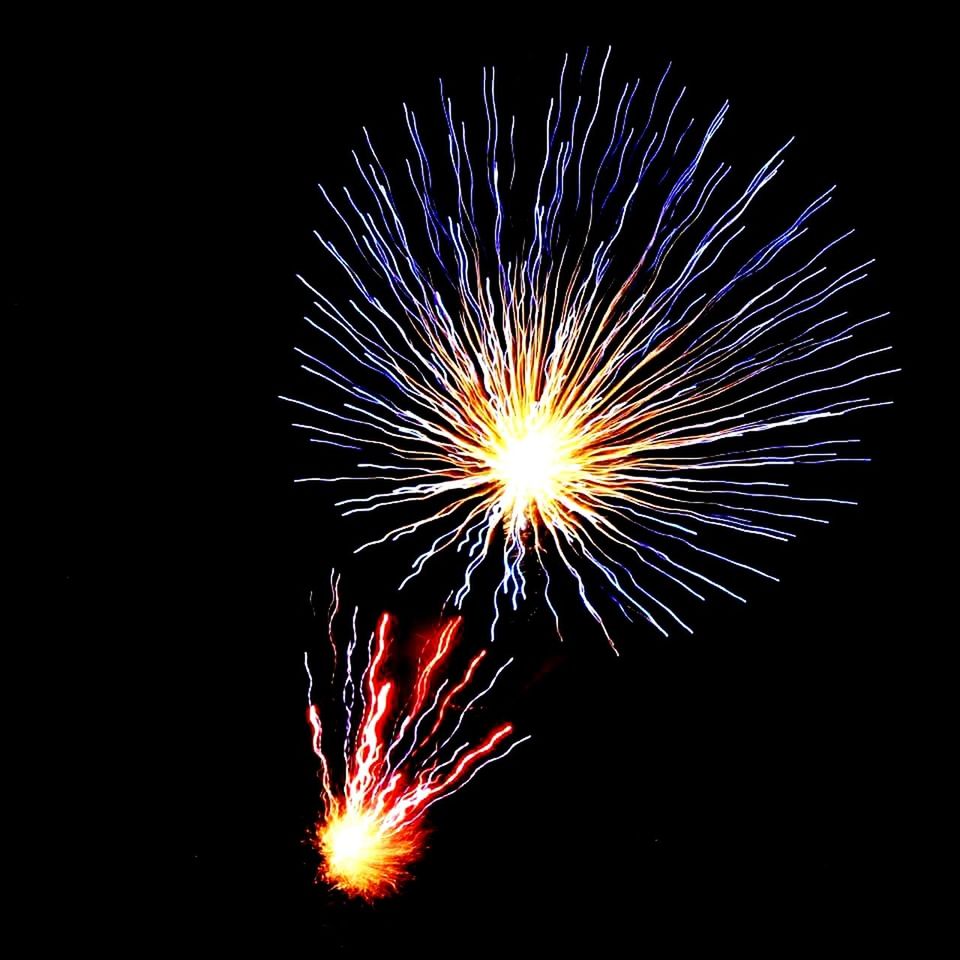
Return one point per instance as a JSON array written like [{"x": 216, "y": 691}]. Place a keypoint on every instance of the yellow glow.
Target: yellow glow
[
  {"x": 532, "y": 460},
  {"x": 360, "y": 857}
]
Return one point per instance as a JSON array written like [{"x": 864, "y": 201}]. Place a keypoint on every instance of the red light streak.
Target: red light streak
[{"x": 372, "y": 826}]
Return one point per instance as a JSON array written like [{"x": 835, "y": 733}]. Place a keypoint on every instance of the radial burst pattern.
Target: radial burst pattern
[{"x": 602, "y": 367}]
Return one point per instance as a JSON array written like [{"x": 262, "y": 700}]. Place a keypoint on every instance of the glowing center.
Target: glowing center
[
  {"x": 361, "y": 858},
  {"x": 351, "y": 841},
  {"x": 532, "y": 465}
]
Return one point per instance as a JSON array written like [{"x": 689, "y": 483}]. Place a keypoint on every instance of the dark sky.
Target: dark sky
[{"x": 755, "y": 783}]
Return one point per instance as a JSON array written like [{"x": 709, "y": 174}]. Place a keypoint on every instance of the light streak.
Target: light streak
[
  {"x": 402, "y": 756},
  {"x": 592, "y": 390}
]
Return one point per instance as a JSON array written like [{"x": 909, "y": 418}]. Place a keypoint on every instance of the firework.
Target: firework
[
  {"x": 586, "y": 374},
  {"x": 403, "y": 756}
]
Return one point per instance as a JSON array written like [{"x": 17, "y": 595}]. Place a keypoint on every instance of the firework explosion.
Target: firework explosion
[
  {"x": 589, "y": 391},
  {"x": 398, "y": 760}
]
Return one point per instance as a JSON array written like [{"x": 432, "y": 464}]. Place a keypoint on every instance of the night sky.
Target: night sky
[{"x": 751, "y": 784}]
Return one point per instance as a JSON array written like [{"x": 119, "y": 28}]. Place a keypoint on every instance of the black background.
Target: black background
[{"x": 762, "y": 781}]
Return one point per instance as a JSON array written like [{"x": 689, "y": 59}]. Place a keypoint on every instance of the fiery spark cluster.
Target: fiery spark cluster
[
  {"x": 402, "y": 756},
  {"x": 568, "y": 379}
]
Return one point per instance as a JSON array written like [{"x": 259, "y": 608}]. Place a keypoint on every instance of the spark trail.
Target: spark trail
[
  {"x": 587, "y": 376},
  {"x": 402, "y": 756}
]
